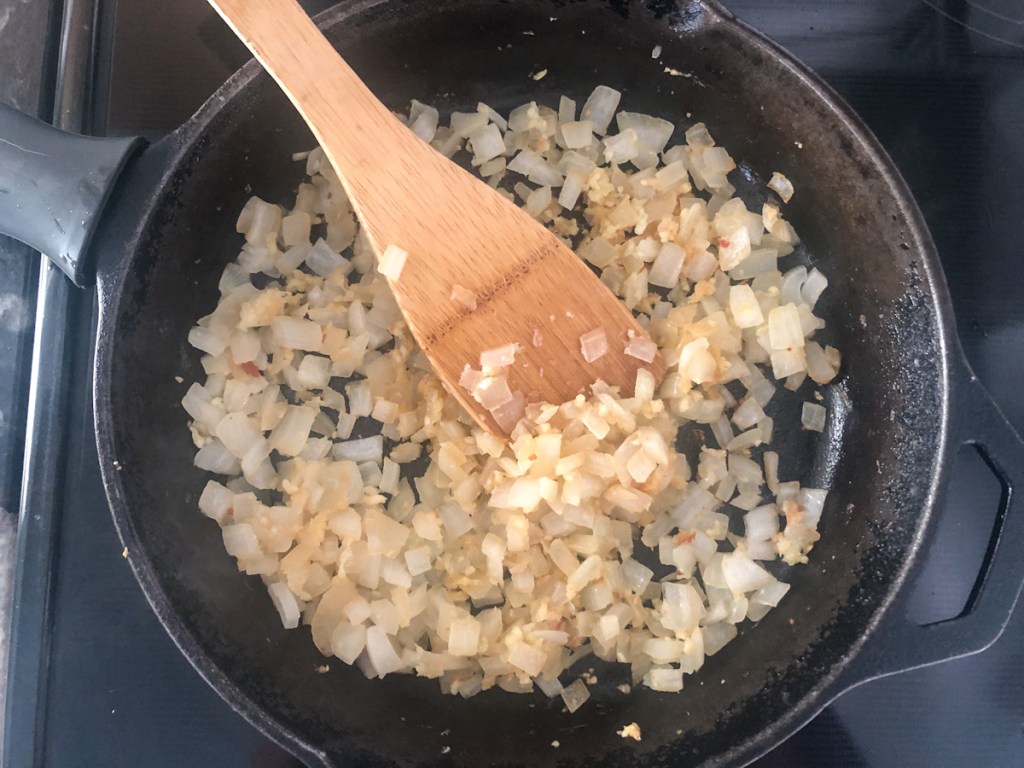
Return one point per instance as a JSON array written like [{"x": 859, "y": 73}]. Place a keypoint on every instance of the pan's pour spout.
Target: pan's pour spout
[{"x": 53, "y": 186}]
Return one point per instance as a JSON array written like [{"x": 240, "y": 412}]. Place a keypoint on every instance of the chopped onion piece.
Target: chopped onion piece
[
  {"x": 289, "y": 436},
  {"x": 499, "y": 357},
  {"x": 742, "y": 574},
  {"x": 392, "y": 261},
  {"x": 667, "y": 679},
  {"x": 492, "y": 393},
  {"x": 770, "y": 594},
  {"x": 464, "y": 296},
  {"x": 745, "y": 308},
  {"x": 486, "y": 143},
  {"x": 381, "y": 652},
  {"x": 813, "y": 502},
  {"x": 781, "y": 185},
  {"x": 295, "y": 228},
  {"x": 240, "y": 541},
  {"x": 621, "y": 147},
  {"x": 535, "y": 168},
  {"x": 784, "y": 330},
  {"x": 716, "y": 636},
  {"x": 641, "y": 348},
  {"x": 600, "y": 107},
  {"x": 348, "y": 641},
  {"x": 786, "y": 363},
  {"x": 366, "y": 449},
  {"x": 822, "y": 364},
  {"x": 323, "y": 260},
  {"x": 653, "y": 132},
  {"x": 206, "y": 340},
  {"x": 215, "y": 457},
  {"x": 578, "y": 134},
  {"x": 575, "y": 695},
  {"x": 812, "y": 417},
  {"x": 761, "y": 522},
  {"x": 667, "y": 266},
  {"x": 508, "y": 414},
  {"x": 566, "y": 110},
  {"x": 748, "y": 413},
  {"x": 215, "y": 501},
  {"x": 464, "y": 637},
  {"x": 531, "y": 661},
  {"x": 593, "y": 345},
  {"x": 813, "y": 287},
  {"x": 537, "y": 201},
  {"x": 696, "y": 362},
  {"x": 297, "y": 333},
  {"x": 286, "y": 604},
  {"x": 733, "y": 249}
]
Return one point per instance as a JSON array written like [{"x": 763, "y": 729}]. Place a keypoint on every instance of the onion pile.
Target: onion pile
[{"x": 409, "y": 539}]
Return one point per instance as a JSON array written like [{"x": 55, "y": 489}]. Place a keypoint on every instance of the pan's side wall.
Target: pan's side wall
[{"x": 880, "y": 458}]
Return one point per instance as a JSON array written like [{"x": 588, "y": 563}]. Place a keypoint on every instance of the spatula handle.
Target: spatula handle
[{"x": 346, "y": 118}]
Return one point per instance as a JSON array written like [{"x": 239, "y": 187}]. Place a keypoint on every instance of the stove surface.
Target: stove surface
[{"x": 942, "y": 85}]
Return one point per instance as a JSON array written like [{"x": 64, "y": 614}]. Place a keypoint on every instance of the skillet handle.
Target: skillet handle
[
  {"x": 898, "y": 644},
  {"x": 53, "y": 186}
]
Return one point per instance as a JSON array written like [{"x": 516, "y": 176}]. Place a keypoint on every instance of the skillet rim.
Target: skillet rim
[{"x": 174, "y": 149}]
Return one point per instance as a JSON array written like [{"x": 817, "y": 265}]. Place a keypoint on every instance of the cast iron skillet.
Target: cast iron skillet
[{"x": 906, "y": 402}]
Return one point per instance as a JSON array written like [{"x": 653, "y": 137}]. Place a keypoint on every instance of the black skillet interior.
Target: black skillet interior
[{"x": 879, "y": 454}]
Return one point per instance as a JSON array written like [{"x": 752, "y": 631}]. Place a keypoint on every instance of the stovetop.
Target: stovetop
[{"x": 97, "y": 682}]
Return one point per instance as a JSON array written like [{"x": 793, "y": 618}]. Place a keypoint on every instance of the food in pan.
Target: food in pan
[{"x": 409, "y": 539}]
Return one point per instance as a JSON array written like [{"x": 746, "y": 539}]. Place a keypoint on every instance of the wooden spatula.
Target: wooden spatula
[{"x": 459, "y": 234}]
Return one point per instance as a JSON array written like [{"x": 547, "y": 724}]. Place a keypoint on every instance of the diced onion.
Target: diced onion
[
  {"x": 366, "y": 449},
  {"x": 813, "y": 417},
  {"x": 392, "y": 261},
  {"x": 486, "y": 143},
  {"x": 575, "y": 695},
  {"x": 813, "y": 287},
  {"x": 498, "y": 357},
  {"x": 578, "y": 134},
  {"x": 667, "y": 266},
  {"x": 240, "y": 541},
  {"x": 641, "y": 348},
  {"x": 782, "y": 185},
  {"x": 784, "y": 329},
  {"x": 376, "y": 511},
  {"x": 593, "y": 345},
  {"x": 464, "y": 296},
  {"x": 289, "y": 436},
  {"x": 600, "y": 107},
  {"x": 732, "y": 250},
  {"x": 381, "y": 652},
  {"x": 286, "y": 604},
  {"x": 296, "y": 333}
]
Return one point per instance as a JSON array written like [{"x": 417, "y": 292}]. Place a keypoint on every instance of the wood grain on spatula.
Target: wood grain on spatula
[{"x": 456, "y": 230}]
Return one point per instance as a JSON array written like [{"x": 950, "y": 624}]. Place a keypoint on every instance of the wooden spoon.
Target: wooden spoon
[{"x": 459, "y": 234}]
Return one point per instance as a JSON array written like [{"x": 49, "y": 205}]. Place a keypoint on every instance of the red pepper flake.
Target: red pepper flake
[
  {"x": 230, "y": 512},
  {"x": 250, "y": 368},
  {"x": 723, "y": 242}
]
